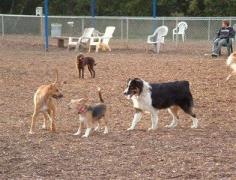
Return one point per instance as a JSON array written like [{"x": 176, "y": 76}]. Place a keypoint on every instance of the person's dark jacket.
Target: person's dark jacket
[{"x": 226, "y": 33}]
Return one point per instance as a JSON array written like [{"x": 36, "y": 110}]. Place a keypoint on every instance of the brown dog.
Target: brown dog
[
  {"x": 89, "y": 115},
  {"x": 231, "y": 62},
  {"x": 43, "y": 103},
  {"x": 82, "y": 61}
]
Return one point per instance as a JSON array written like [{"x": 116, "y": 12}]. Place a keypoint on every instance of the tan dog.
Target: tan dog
[
  {"x": 231, "y": 62},
  {"x": 103, "y": 47},
  {"x": 43, "y": 103},
  {"x": 90, "y": 116}
]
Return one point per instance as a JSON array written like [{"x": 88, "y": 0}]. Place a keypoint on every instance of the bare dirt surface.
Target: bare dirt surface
[{"x": 208, "y": 152}]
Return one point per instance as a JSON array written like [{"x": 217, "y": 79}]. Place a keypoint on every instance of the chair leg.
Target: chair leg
[{"x": 158, "y": 47}]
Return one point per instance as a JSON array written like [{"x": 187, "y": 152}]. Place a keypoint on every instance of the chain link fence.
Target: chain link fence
[{"x": 127, "y": 28}]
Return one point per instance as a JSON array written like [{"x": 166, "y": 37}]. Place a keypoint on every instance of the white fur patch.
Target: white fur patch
[
  {"x": 144, "y": 100},
  {"x": 229, "y": 60}
]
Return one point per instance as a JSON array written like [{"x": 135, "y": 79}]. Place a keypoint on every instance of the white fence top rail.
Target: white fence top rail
[{"x": 128, "y": 17}]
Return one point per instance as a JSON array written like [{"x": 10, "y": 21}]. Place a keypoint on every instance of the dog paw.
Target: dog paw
[
  {"x": 96, "y": 129},
  {"x": 151, "y": 129},
  {"x": 171, "y": 126},
  {"x": 130, "y": 129},
  {"x": 84, "y": 136},
  {"x": 31, "y": 132},
  {"x": 43, "y": 126},
  {"x": 76, "y": 134},
  {"x": 194, "y": 126}
]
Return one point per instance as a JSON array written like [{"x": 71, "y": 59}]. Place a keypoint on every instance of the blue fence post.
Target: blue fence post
[
  {"x": 93, "y": 12},
  {"x": 46, "y": 24},
  {"x": 154, "y": 14}
]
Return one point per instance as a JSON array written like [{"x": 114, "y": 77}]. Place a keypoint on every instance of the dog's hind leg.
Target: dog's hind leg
[
  {"x": 188, "y": 110},
  {"x": 98, "y": 126},
  {"x": 45, "y": 120},
  {"x": 174, "y": 112},
  {"x": 90, "y": 71},
  {"x": 106, "y": 128}
]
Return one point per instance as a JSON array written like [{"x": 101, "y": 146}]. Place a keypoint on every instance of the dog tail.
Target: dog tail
[
  {"x": 100, "y": 95},
  {"x": 230, "y": 59}
]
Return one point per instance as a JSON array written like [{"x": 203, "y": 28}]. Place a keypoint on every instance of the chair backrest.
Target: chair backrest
[
  {"x": 108, "y": 34},
  {"x": 182, "y": 26},
  {"x": 234, "y": 27},
  {"x": 87, "y": 34},
  {"x": 161, "y": 31}
]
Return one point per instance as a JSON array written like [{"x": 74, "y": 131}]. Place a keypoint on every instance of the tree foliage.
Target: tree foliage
[{"x": 124, "y": 7}]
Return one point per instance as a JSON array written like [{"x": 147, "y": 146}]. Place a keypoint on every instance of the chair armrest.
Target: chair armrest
[
  {"x": 74, "y": 38},
  {"x": 175, "y": 30}
]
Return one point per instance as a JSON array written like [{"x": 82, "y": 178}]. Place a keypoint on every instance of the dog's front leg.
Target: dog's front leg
[
  {"x": 45, "y": 120},
  {"x": 33, "y": 123},
  {"x": 52, "y": 115},
  {"x": 80, "y": 129},
  {"x": 230, "y": 75},
  {"x": 154, "y": 119},
  {"x": 136, "y": 119},
  {"x": 82, "y": 70}
]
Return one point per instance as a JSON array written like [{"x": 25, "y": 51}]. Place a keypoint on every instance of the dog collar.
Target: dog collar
[{"x": 82, "y": 110}]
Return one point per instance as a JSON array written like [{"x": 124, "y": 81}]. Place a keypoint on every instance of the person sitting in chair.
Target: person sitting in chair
[{"x": 223, "y": 37}]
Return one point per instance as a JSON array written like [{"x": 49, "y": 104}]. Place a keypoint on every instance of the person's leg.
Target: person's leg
[
  {"x": 220, "y": 44},
  {"x": 215, "y": 45}
]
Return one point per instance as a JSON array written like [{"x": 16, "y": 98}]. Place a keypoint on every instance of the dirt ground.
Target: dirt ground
[{"x": 208, "y": 152}]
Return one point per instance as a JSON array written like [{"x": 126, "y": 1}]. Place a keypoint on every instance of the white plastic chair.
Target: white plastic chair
[
  {"x": 180, "y": 30},
  {"x": 102, "y": 38},
  {"x": 158, "y": 37},
  {"x": 83, "y": 40},
  {"x": 234, "y": 27}
]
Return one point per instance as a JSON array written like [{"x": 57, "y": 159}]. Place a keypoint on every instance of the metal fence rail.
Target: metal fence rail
[{"x": 127, "y": 28}]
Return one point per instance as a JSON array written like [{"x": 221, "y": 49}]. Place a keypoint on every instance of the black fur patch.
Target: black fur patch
[
  {"x": 98, "y": 111},
  {"x": 168, "y": 94}
]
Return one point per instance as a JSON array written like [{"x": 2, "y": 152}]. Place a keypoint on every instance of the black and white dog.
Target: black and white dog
[{"x": 153, "y": 97}]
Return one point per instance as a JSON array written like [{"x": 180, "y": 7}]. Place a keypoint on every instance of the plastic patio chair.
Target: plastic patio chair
[
  {"x": 83, "y": 40},
  {"x": 180, "y": 30},
  {"x": 102, "y": 38},
  {"x": 158, "y": 37}
]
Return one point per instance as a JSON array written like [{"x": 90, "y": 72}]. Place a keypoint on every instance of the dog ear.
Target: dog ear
[
  {"x": 56, "y": 80},
  {"x": 83, "y": 100},
  {"x": 80, "y": 56}
]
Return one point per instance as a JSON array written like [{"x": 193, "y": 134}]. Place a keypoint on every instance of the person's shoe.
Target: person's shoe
[{"x": 214, "y": 55}]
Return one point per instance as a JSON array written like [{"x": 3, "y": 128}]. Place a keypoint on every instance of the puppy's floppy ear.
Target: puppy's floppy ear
[{"x": 83, "y": 100}]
